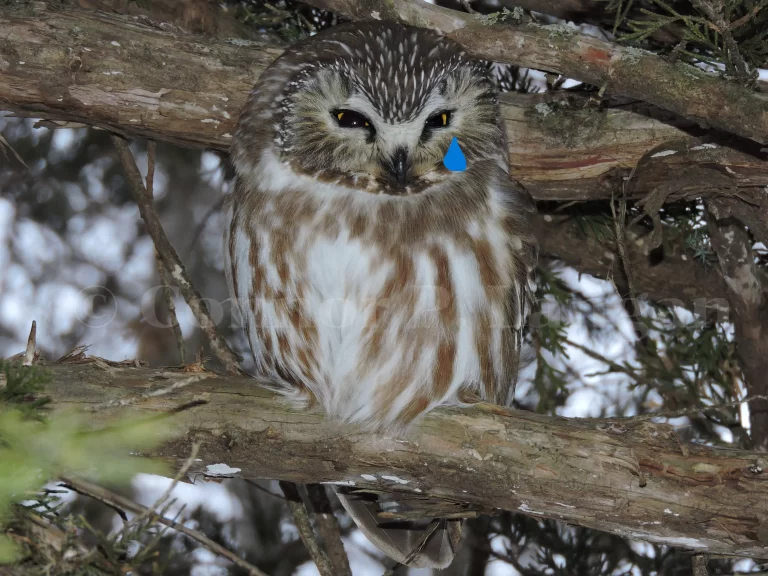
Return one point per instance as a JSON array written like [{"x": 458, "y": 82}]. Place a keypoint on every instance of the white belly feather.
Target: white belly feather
[{"x": 338, "y": 285}]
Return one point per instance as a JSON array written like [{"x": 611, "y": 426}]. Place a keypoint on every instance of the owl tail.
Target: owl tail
[{"x": 419, "y": 544}]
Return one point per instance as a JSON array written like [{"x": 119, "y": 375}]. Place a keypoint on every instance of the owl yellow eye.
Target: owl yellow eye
[
  {"x": 351, "y": 119},
  {"x": 439, "y": 120}
]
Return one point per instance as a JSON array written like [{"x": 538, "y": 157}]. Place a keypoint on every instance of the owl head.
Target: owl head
[{"x": 376, "y": 103}]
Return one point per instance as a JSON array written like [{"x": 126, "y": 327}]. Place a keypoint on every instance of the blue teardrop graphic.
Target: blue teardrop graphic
[{"x": 454, "y": 159}]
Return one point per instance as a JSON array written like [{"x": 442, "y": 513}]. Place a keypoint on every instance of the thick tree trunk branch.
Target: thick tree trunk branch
[
  {"x": 677, "y": 87},
  {"x": 126, "y": 74},
  {"x": 629, "y": 478},
  {"x": 141, "y": 79},
  {"x": 749, "y": 302}
]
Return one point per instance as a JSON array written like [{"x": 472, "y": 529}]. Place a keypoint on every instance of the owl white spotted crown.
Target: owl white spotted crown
[{"x": 377, "y": 105}]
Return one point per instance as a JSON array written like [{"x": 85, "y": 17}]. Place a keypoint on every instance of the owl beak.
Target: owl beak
[{"x": 399, "y": 166}]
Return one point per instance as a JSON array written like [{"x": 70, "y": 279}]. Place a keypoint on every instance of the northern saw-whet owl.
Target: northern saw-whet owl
[{"x": 371, "y": 279}]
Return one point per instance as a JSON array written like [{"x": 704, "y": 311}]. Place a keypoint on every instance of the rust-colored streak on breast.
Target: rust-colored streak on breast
[
  {"x": 486, "y": 263},
  {"x": 258, "y": 280},
  {"x": 414, "y": 409},
  {"x": 392, "y": 298},
  {"x": 401, "y": 277},
  {"x": 279, "y": 253},
  {"x": 357, "y": 226},
  {"x": 388, "y": 392},
  {"x": 393, "y": 303},
  {"x": 485, "y": 356},
  {"x": 509, "y": 361},
  {"x": 331, "y": 226},
  {"x": 442, "y": 371},
  {"x": 444, "y": 295},
  {"x": 256, "y": 285}
]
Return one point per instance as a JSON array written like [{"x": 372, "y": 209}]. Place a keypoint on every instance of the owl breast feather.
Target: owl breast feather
[{"x": 377, "y": 310}]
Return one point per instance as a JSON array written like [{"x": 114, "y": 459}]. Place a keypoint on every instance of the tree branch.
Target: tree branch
[
  {"x": 303, "y": 524},
  {"x": 677, "y": 87},
  {"x": 117, "y": 501},
  {"x": 137, "y": 79},
  {"x": 170, "y": 258},
  {"x": 749, "y": 302},
  {"x": 626, "y": 477},
  {"x": 329, "y": 529}
]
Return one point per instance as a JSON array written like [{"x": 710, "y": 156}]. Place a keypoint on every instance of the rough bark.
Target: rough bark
[
  {"x": 630, "y": 72},
  {"x": 629, "y": 478},
  {"x": 143, "y": 79},
  {"x": 127, "y": 74}
]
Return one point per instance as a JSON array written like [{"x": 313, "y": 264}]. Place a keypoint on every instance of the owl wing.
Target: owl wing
[{"x": 524, "y": 251}]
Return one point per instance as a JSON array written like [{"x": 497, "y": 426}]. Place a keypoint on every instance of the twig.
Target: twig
[
  {"x": 746, "y": 18},
  {"x": 304, "y": 526},
  {"x": 263, "y": 489},
  {"x": 620, "y": 233},
  {"x": 689, "y": 411},
  {"x": 31, "y": 354},
  {"x": 204, "y": 222},
  {"x": 4, "y": 144},
  {"x": 615, "y": 366},
  {"x": 171, "y": 305},
  {"x": 165, "y": 495},
  {"x": 715, "y": 15},
  {"x": 329, "y": 529},
  {"x": 162, "y": 272},
  {"x": 151, "y": 150},
  {"x": 117, "y": 501},
  {"x": 669, "y": 414},
  {"x": 171, "y": 259},
  {"x": 431, "y": 529},
  {"x": 119, "y": 510}
]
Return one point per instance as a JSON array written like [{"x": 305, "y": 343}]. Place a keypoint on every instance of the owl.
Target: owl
[{"x": 372, "y": 280}]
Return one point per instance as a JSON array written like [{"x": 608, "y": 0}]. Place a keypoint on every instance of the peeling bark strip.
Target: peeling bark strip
[
  {"x": 633, "y": 479},
  {"x": 136, "y": 78},
  {"x": 677, "y": 87}
]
